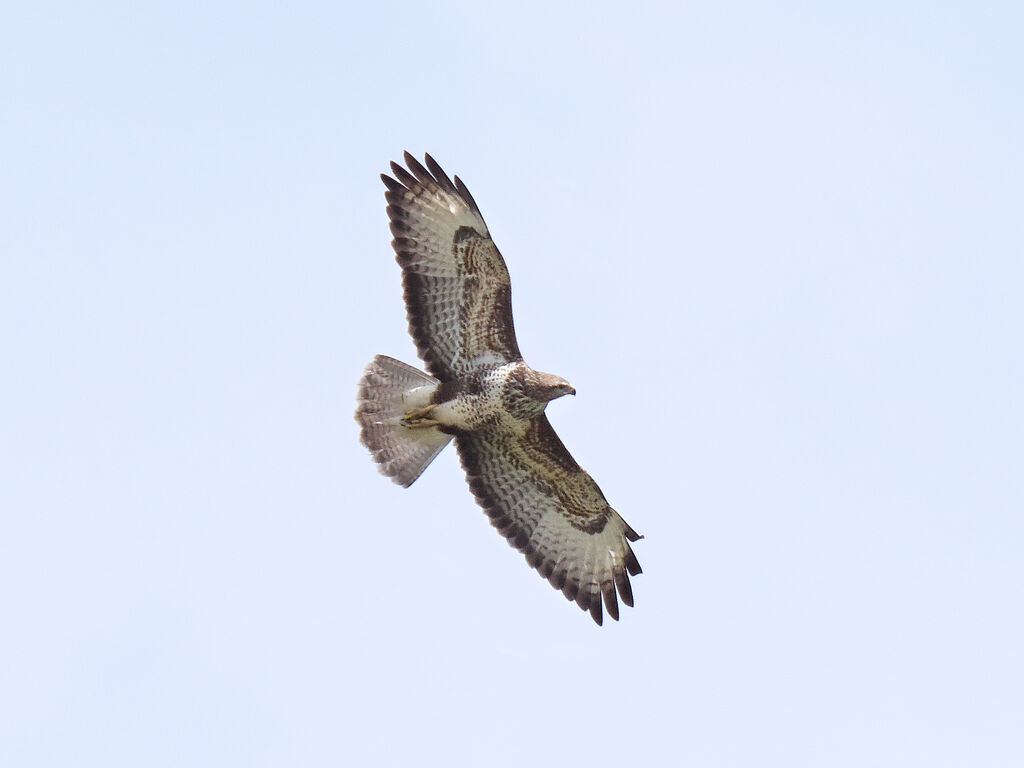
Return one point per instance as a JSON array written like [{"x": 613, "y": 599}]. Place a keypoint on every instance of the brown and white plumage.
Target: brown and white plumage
[
  {"x": 457, "y": 291},
  {"x": 482, "y": 393},
  {"x": 553, "y": 512}
]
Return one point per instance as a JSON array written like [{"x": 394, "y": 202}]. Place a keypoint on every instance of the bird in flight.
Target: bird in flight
[{"x": 481, "y": 392}]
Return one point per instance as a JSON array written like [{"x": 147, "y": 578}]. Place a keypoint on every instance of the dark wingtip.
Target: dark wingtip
[
  {"x": 464, "y": 191},
  {"x": 418, "y": 170},
  {"x": 403, "y": 175},
  {"x": 623, "y": 585},
  {"x": 390, "y": 183},
  {"x": 439, "y": 174},
  {"x": 611, "y": 605},
  {"x": 632, "y": 564}
]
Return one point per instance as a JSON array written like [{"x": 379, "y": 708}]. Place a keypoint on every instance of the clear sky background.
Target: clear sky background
[{"x": 778, "y": 250}]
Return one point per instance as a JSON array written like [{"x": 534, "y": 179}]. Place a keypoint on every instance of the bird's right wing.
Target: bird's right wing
[{"x": 457, "y": 291}]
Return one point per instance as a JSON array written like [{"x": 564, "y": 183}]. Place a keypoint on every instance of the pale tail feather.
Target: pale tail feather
[{"x": 390, "y": 388}]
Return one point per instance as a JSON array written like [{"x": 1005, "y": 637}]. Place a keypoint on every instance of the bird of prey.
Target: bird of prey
[{"x": 481, "y": 392}]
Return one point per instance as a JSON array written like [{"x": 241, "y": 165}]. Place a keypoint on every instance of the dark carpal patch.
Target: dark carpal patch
[{"x": 464, "y": 233}]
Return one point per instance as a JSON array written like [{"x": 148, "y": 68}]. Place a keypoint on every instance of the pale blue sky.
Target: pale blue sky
[{"x": 778, "y": 251}]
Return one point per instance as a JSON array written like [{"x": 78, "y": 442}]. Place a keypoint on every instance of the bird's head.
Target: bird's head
[
  {"x": 528, "y": 392},
  {"x": 548, "y": 387}
]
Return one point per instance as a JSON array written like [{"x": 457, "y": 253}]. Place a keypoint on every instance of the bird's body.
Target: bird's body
[
  {"x": 483, "y": 394},
  {"x": 505, "y": 397}
]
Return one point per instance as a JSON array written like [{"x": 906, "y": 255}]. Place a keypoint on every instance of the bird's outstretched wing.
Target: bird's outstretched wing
[
  {"x": 552, "y": 511},
  {"x": 457, "y": 292}
]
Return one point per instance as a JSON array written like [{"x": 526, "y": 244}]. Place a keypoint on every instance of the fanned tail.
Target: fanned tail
[{"x": 388, "y": 390}]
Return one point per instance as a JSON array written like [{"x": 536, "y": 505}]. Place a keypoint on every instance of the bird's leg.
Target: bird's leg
[{"x": 416, "y": 418}]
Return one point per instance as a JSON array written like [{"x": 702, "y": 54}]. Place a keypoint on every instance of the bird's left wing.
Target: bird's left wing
[{"x": 552, "y": 511}]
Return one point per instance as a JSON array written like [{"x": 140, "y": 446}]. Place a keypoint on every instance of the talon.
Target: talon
[
  {"x": 419, "y": 413},
  {"x": 417, "y": 417}
]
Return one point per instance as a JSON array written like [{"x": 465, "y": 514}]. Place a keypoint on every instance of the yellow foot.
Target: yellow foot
[{"x": 417, "y": 417}]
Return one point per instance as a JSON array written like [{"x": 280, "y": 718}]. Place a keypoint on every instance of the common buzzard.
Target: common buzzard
[{"x": 482, "y": 393}]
